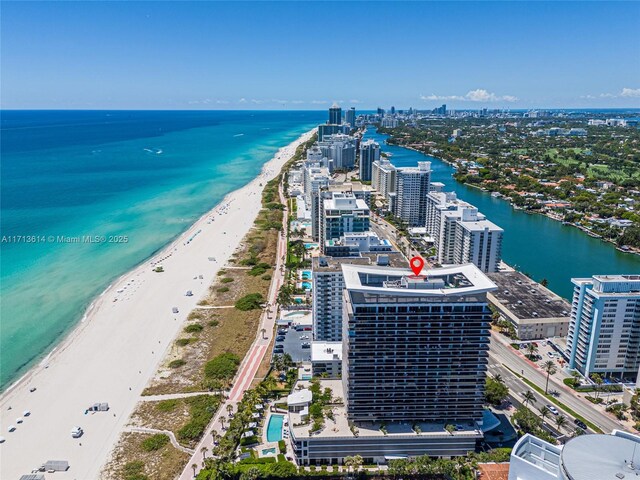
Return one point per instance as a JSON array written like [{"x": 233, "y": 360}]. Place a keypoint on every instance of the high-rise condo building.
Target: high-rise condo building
[
  {"x": 350, "y": 117},
  {"x": 383, "y": 177},
  {"x": 359, "y": 190},
  {"x": 340, "y": 214},
  {"x": 335, "y": 115},
  {"x": 415, "y": 348},
  {"x": 604, "y": 330},
  {"x": 412, "y": 187},
  {"x": 340, "y": 149},
  {"x": 369, "y": 153},
  {"x": 462, "y": 234}
]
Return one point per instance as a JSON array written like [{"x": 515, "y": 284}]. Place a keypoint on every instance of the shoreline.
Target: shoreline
[
  {"x": 117, "y": 326},
  {"x": 584, "y": 230}
]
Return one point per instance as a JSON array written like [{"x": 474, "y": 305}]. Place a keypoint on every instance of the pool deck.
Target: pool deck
[{"x": 266, "y": 444}]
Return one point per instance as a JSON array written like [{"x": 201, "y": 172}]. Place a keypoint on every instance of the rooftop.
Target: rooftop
[
  {"x": 444, "y": 281},
  {"x": 326, "y": 351},
  {"x": 602, "y": 457},
  {"x": 525, "y": 298},
  {"x": 334, "y": 264},
  {"x": 299, "y": 397},
  {"x": 339, "y": 426}
]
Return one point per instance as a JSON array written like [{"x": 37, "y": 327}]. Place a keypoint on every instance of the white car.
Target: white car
[{"x": 553, "y": 409}]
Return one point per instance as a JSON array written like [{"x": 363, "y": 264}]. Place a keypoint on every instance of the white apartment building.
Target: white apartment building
[
  {"x": 383, "y": 177},
  {"x": 604, "y": 330},
  {"x": 412, "y": 187},
  {"x": 462, "y": 234}
]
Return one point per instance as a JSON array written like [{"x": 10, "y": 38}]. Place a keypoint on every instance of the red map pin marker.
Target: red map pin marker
[{"x": 416, "y": 265}]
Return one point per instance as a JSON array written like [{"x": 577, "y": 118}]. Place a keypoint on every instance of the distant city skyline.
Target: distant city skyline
[{"x": 305, "y": 56}]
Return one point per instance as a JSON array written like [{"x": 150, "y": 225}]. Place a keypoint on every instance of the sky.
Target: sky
[{"x": 306, "y": 55}]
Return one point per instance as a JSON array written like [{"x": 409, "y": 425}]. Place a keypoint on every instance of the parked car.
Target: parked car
[
  {"x": 580, "y": 423},
  {"x": 280, "y": 338},
  {"x": 553, "y": 409},
  {"x": 306, "y": 345}
]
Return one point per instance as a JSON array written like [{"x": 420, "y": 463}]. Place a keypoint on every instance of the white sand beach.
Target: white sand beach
[{"x": 114, "y": 352}]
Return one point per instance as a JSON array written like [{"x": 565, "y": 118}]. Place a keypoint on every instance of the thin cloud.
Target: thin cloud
[
  {"x": 477, "y": 95},
  {"x": 319, "y": 102},
  {"x": 630, "y": 92}
]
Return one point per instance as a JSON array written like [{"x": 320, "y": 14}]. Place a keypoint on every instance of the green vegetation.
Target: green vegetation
[
  {"x": 134, "y": 471},
  {"x": 495, "y": 391},
  {"x": 222, "y": 290},
  {"x": 177, "y": 363},
  {"x": 193, "y": 328},
  {"x": 221, "y": 370},
  {"x": 167, "y": 405},
  {"x": 201, "y": 411},
  {"x": 259, "y": 269},
  {"x": 181, "y": 342},
  {"x": 251, "y": 301},
  {"x": 155, "y": 442},
  {"x": 226, "y": 280}
]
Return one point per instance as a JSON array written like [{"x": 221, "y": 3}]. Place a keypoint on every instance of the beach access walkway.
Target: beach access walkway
[{"x": 253, "y": 359}]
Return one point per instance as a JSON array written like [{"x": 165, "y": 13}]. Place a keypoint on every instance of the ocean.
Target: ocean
[{"x": 88, "y": 195}]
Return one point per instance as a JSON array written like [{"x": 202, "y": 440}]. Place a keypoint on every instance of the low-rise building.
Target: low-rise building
[
  {"x": 534, "y": 311},
  {"x": 326, "y": 359}
]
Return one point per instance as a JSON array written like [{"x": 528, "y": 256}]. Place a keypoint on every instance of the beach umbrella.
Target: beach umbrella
[
  {"x": 11, "y": 428},
  {"x": 19, "y": 420},
  {"x": 1, "y": 439},
  {"x": 26, "y": 413}
]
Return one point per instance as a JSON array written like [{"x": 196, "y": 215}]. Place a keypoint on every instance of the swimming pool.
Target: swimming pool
[
  {"x": 309, "y": 246},
  {"x": 274, "y": 428},
  {"x": 269, "y": 451},
  {"x": 306, "y": 285}
]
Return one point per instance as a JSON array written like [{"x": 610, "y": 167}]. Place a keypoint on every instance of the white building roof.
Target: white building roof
[
  {"x": 474, "y": 280},
  {"x": 326, "y": 351},
  {"x": 299, "y": 397}
]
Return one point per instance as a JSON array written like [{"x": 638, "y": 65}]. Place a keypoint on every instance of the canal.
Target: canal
[{"x": 534, "y": 244}]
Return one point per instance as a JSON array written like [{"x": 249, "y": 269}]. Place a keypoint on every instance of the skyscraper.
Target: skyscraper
[
  {"x": 415, "y": 348},
  {"x": 335, "y": 115},
  {"x": 604, "y": 330},
  {"x": 412, "y": 187},
  {"x": 350, "y": 117},
  {"x": 369, "y": 153}
]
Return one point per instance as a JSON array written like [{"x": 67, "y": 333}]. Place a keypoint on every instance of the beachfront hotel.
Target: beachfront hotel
[
  {"x": 414, "y": 360},
  {"x": 604, "y": 330}
]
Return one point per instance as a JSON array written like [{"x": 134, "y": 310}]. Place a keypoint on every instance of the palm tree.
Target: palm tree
[
  {"x": 597, "y": 379},
  {"x": 204, "y": 451},
  {"x": 531, "y": 349},
  {"x": 544, "y": 412},
  {"x": 528, "y": 397},
  {"x": 498, "y": 378},
  {"x": 195, "y": 467},
  {"x": 222, "y": 420},
  {"x": 550, "y": 369},
  {"x": 229, "y": 409},
  {"x": 561, "y": 421}
]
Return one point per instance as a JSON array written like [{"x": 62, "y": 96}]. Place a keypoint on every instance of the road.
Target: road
[
  {"x": 501, "y": 356},
  {"x": 253, "y": 359}
]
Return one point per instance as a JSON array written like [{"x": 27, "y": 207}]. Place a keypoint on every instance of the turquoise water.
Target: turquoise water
[
  {"x": 534, "y": 244},
  {"x": 274, "y": 428},
  {"x": 306, "y": 285},
  {"x": 144, "y": 175},
  {"x": 269, "y": 451}
]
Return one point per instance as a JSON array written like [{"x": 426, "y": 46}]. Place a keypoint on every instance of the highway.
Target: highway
[{"x": 502, "y": 356}]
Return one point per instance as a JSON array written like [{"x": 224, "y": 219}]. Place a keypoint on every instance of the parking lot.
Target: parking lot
[{"x": 292, "y": 342}]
